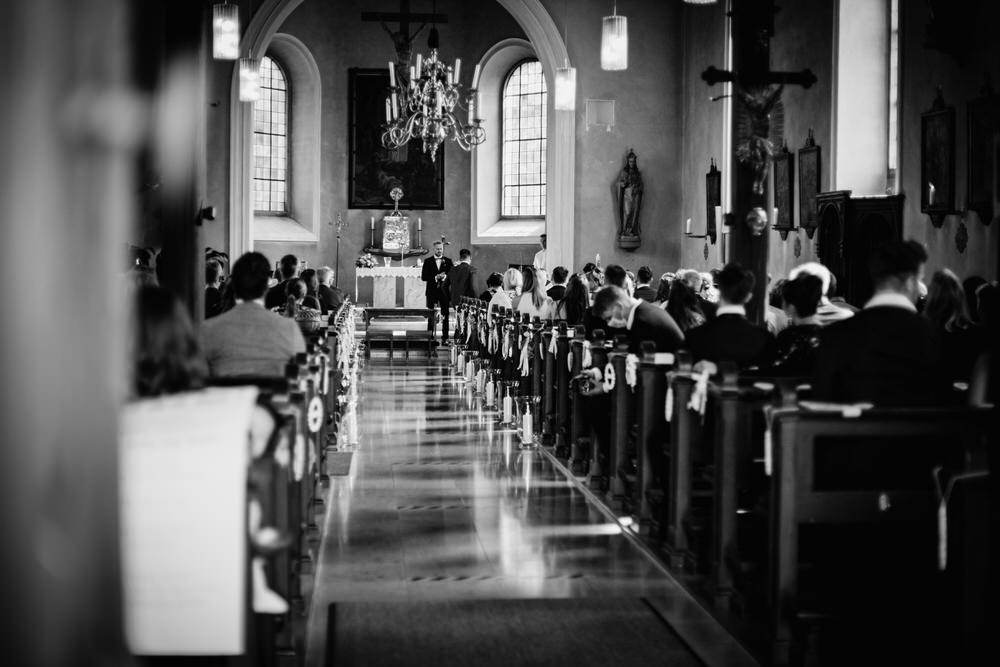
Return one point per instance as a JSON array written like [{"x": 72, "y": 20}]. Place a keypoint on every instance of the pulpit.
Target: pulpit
[{"x": 384, "y": 289}]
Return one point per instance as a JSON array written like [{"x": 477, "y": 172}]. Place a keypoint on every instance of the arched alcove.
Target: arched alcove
[{"x": 561, "y": 178}]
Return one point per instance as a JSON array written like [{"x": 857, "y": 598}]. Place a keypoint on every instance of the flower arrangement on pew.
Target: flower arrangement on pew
[{"x": 365, "y": 261}]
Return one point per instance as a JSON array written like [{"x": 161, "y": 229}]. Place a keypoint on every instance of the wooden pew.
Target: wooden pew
[
  {"x": 652, "y": 439},
  {"x": 807, "y": 444},
  {"x": 579, "y": 439},
  {"x": 622, "y": 418},
  {"x": 685, "y": 429}
]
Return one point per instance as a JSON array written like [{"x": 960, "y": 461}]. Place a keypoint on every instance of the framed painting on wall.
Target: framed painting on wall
[
  {"x": 809, "y": 175},
  {"x": 937, "y": 161},
  {"x": 373, "y": 170},
  {"x": 784, "y": 192}
]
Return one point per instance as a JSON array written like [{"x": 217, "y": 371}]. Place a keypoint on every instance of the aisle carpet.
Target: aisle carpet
[{"x": 484, "y": 633}]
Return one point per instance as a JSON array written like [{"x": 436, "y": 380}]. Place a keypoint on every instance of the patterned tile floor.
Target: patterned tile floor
[{"x": 441, "y": 503}]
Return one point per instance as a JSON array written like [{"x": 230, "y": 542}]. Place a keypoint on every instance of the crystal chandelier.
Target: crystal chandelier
[{"x": 425, "y": 105}]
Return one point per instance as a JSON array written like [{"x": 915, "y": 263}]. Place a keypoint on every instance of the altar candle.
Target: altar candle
[
  {"x": 687, "y": 226},
  {"x": 395, "y": 105},
  {"x": 413, "y": 76},
  {"x": 392, "y": 75},
  {"x": 475, "y": 77},
  {"x": 508, "y": 408},
  {"x": 527, "y": 428},
  {"x": 373, "y": 223},
  {"x": 718, "y": 215},
  {"x": 420, "y": 225},
  {"x": 388, "y": 111}
]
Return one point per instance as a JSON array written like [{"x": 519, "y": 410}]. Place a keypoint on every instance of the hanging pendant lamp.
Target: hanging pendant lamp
[
  {"x": 249, "y": 79},
  {"x": 614, "y": 42},
  {"x": 565, "y": 99},
  {"x": 225, "y": 31}
]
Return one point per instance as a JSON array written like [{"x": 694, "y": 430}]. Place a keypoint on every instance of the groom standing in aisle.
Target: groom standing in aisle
[{"x": 435, "y": 274}]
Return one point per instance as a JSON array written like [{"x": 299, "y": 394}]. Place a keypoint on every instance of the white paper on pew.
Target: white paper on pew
[
  {"x": 663, "y": 358},
  {"x": 849, "y": 410},
  {"x": 399, "y": 334},
  {"x": 183, "y": 505}
]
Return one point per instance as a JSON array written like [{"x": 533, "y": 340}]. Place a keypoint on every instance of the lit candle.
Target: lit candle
[
  {"x": 395, "y": 105},
  {"x": 373, "y": 223},
  {"x": 930, "y": 194},
  {"x": 392, "y": 75},
  {"x": 448, "y": 78},
  {"x": 489, "y": 394},
  {"x": 687, "y": 226},
  {"x": 718, "y": 215},
  {"x": 508, "y": 408},
  {"x": 420, "y": 71},
  {"x": 774, "y": 216},
  {"x": 413, "y": 76},
  {"x": 527, "y": 428},
  {"x": 475, "y": 77},
  {"x": 420, "y": 225}
]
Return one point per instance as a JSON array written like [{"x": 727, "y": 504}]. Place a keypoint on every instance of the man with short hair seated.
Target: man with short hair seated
[
  {"x": 643, "y": 291},
  {"x": 885, "y": 354},
  {"x": 558, "y": 289},
  {"x": 730, "y": 336},
  {"x": 289, "y": 269},
  {"x": 640, "y": 320},
  {"x": 249, "y": 339},
  {"x": 330, "y": 296}
]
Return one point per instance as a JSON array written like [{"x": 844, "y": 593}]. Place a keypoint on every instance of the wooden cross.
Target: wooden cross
[{"x": 402, "y": 39}]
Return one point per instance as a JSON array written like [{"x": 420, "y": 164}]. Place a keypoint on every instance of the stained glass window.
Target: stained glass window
[
  {"x": 523, "y": 157},
  {"x": 270, "y": 141}
]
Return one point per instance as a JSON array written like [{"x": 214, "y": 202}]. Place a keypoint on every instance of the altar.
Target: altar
[{"x": 384, "y": 291}]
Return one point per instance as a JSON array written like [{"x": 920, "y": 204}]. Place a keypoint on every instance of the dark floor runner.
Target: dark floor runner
[
  {"x": 339, "y": 463},
  {"x": 506, "y": 633}
]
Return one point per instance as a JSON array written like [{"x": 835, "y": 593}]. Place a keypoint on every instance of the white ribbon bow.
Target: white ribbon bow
[
  {"x": 587, "y": 360},
  {"x": 631, "y": 371},
  {"x": 699, "y": 397},
  {"x": 554, "y": 343},
  {"x": 525, "y": 364}
]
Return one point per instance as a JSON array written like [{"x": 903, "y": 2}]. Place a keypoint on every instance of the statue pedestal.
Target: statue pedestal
[{"x": 629, "y": 242}]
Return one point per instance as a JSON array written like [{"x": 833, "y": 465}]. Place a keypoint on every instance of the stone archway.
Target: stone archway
[{"x": 548, "y": 44}]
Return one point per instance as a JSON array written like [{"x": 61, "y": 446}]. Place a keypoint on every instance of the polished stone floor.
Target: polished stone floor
[{"x": 441, "y": 503}]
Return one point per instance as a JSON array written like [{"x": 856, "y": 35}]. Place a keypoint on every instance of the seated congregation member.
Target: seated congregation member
[
  {"x": 775, "y": 317},
  {"x": 594, "y": 277},
  {"x": 643, "y": 291},
  {"x": 694, "y": 281},
  {"x": 730, "y": 336},
  {"x": 641, "y": 321},
  {"x": 798, "y": 344},
  {"x": 166, "y": 357},
  {"x": 614, "y": 276},
  {"x": 288, "y": 267},
  {"x": 684, "y": 306},
  {"x": 946, "y": 309},
  {"x": 506, "y": 297},
  {"x": 250, "y": 339},
  {"x": 837, "y": 300},
  {"x": 302, "y": 308},
  {"x": 534, "y": 301},
  {"x": 493, "y": 284},
  {"x": 574, "y": 305},
  {"x": 330, "y": 297},
  {"x": 886, "y": 354},
  {"x": 663, "y": 290},
  {"x": 827, "y": 311},
  {"x": 213, "y": 295},
  {"x": 461, "y": 278},
  {"x": 558, "y": 288}
]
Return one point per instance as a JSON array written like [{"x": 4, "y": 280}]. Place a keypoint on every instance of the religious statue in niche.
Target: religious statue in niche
[{"x": 629, "y": 195}]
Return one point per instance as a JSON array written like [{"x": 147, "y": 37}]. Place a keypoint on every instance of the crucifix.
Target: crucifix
[
  {"x": 752, "y": 29},
  {"x": 401, "y": 38}
]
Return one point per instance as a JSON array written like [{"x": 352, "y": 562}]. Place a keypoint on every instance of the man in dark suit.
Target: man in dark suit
[
  {"x": 730, "y": 336},
  {"x": 461, "y": 277},
  {"x": 278, "y": 295},
  {"x": 886, "y": 354},
  {"x": 330, "y": 297},
  {"x": 435, "y": 274},
  {"x": 642, "y": 289},
  {"x": 558, "y": 289},
  {"x": 638, "y": 319}
]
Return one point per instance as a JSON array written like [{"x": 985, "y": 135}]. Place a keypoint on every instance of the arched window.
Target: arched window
[
  {"x": 270, "y": 141},
  {"x": 523, "y": 155}
]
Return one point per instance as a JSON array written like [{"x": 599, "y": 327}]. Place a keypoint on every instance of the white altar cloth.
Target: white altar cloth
[{"x": 384, "y": 288}]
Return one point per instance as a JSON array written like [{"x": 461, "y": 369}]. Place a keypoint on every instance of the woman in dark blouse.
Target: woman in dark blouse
[{"x": 798, "y": 344}]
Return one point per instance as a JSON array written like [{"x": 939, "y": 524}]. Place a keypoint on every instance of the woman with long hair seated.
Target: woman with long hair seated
[
  {"x": 684, "y": 306},
  {"x": 534, "y": 301},
  {"x": 575, "y": 303},
  {"x": 166, "y": 357},
  {"x": 510, "y": 294},
  {"x": 301, "y": 308},
  {"x": 663, "y": 290},
  {"x": 947, "y": 309}
]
